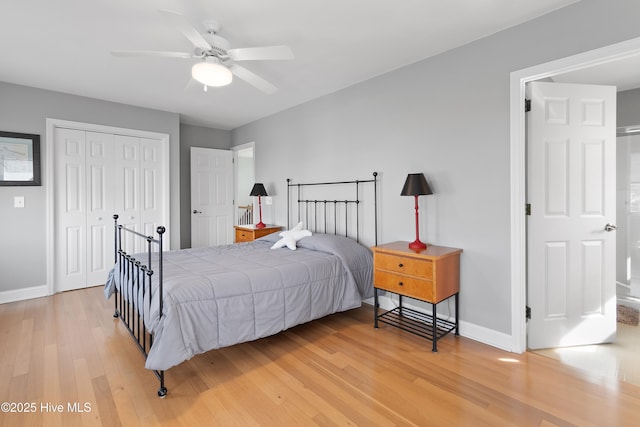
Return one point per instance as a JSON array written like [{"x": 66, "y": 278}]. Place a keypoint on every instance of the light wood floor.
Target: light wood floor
[{"x": 68, "y": 349}]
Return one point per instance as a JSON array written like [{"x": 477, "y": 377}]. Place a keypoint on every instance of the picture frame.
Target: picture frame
[{"x": 19, "y": 159}]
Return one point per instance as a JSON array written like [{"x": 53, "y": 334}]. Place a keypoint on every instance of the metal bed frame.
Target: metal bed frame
[
  {"x": 317, "y": 212},
  {"x": 137, "y": 273}
]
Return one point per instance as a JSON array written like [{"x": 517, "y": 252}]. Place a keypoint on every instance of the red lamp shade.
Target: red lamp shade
[
  {"x": 416, "y": 185},
  {"x": 259, "y": 191}
]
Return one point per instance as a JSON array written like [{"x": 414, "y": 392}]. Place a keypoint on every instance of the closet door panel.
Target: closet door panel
[
  {"x": 152, "y": 201},
  {"x": 70, "y": 209},
  {"x": 100, "y": 206},
  {"x": 127, "y": 187}
]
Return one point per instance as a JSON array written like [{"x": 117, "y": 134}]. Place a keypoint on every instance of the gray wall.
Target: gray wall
[
  {"x": 194, "y": 136},
  {"x": 23, "y": 231},
  {"x": 447, "y": 116}
]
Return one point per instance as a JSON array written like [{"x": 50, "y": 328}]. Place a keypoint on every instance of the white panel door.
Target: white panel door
[
  {"x": 152, "y": 194},
  {"x": 99, "y": 178},
  {"x": 70, "y": 210},
  {"x": 571, "y": 188},
  {"x": 84, "y": 206},
  {"x": 127, "y": 189},
  {"x": 211, "y": 197},
  {"x": 140, "y": 196}
]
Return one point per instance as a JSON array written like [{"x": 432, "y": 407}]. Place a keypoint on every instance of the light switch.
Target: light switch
[
  {"x": 268, "y": 200},
  {"x": 18, "y": 202}
]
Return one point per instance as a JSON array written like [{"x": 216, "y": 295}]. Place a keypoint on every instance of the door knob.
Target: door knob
[
  {"x": 610, "y": 227},
  {"x": 196, "y": 212}
]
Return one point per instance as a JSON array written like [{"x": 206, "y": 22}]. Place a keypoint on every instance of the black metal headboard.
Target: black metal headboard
[{"x": 332, "y": 216}]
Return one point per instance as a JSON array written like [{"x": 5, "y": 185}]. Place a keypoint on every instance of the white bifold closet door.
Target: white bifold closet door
[
  {"x": 96, "y": 175},
  {"x": 139, "y": 198}
]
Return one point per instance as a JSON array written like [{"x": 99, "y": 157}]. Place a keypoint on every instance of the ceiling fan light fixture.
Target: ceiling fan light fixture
[{"x": 211, "y": 74}]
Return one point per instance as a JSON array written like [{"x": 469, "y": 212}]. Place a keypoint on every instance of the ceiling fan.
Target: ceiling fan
[{"x": 217, "y": 63}]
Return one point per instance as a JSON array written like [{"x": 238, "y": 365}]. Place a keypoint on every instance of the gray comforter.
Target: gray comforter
[{"x": 223, "y": 295}]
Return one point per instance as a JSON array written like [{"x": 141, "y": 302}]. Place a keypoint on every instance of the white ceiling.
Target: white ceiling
[{"x": 64, "y": 45}]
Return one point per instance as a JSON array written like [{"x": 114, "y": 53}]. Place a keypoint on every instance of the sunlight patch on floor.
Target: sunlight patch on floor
[
  {"x": 508, "y": 359},
  {"x": 618, "y": 360}
]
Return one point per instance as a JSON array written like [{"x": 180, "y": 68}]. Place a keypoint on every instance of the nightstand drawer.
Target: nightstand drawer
[
  {"x": 243, "y": 236},
  {"x": 405, "y": 265},
  {"x": 249, "y": 233},
  {"x": 405, "y": 285},
  {"x": 261, "y": 232}
]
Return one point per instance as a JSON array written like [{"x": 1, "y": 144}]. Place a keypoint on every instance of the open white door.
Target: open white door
[
  {"x": 571, "y": 177},
  {"x": 211, "y": 197}
]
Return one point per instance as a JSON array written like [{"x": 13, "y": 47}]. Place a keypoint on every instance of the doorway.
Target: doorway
[
  {"x": 606, "y": 55},
  {"x": 628, "y": 218},
  {"x": 244, "y": 162}
]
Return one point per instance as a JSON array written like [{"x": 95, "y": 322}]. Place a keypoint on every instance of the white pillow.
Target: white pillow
[{"x": 290, "y": 237}]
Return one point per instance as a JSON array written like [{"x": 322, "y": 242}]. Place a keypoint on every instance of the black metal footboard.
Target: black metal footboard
[{"x": 133, "y": 297}]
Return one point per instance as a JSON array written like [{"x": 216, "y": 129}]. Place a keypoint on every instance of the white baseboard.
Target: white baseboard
[
  {"x": 23, "y": 294},
  {"x": 468, "y": 330}
]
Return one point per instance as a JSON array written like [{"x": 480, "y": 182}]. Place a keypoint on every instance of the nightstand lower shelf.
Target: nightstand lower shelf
[{"x": 417, "y": 322}]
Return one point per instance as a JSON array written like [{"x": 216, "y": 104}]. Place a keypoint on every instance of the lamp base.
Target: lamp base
[
  {"x": 417, "y": 245},
  {"x": 260, "y": 225}
]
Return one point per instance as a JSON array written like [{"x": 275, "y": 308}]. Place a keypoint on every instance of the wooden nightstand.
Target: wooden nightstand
[
  {"x": 249, "y": 233},
  {"x": 431, "y": 275}
]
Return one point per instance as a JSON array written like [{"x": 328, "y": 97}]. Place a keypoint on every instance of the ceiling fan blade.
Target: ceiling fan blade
[
  {"x": 187, "y": 29},
  {"x": 253, "y": 79},
  {"x": 151, "y": 53},
  {"x": 260, "y": 53}
]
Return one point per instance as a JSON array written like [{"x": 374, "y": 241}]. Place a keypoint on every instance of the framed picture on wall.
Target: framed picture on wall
[{"x": 19, "y": 159}]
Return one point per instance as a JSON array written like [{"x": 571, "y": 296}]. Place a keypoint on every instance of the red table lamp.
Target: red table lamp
[
  {"x": 416, "y": 185},
  {"x": 259, "y": 190}
]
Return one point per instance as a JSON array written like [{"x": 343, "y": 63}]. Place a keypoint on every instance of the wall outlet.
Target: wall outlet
[{"x": 18, "y": 202}]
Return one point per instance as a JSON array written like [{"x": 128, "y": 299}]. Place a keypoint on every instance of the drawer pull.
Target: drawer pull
[
  {"x": 401, "y": 265},
  {"x": 400, "y": 283}
]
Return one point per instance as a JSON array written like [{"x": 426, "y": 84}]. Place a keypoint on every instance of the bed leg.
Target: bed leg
[
  {"x": 162, "y": 391},
  {"x": 116, "y": 313}
]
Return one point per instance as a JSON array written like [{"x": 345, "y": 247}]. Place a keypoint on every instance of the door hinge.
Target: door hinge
[
  {"x": 527, "y": 311},
  {"x": 527, "y": 209},
  {"x": 527, "y": 105}
]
